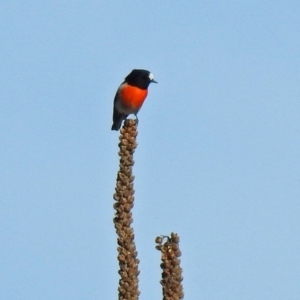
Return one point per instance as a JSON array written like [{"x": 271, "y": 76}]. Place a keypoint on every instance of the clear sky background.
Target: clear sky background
[{"x": 218, "y": 152}]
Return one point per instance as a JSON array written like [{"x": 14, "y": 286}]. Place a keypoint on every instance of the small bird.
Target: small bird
[{"x": 131, "y": 95}]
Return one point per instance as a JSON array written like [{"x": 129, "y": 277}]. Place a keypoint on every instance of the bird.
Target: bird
[{"x": 131, "y": 95}]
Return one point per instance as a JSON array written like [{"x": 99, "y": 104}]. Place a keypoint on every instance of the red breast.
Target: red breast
[{"x": 132, "y": 97}]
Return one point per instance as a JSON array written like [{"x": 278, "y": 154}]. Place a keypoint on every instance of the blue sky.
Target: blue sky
[{"x": 218, "y": 146}]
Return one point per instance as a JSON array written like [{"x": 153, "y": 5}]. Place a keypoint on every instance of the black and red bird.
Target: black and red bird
[{"x": 131, "y": 95}]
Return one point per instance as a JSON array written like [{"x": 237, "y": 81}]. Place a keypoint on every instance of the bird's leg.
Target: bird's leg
[{"x": 136, "y": 120}]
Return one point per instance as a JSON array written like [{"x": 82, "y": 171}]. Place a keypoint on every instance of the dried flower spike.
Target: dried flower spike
[
  {"x": 124, "y": 200},
  {"x": 171, "y": 270}
]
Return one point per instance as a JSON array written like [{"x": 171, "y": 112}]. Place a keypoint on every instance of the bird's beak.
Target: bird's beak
[{"x": 154, "y": 81}]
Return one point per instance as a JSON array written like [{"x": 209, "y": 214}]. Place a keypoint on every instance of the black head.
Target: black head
[{"x": 140, "y": 78}]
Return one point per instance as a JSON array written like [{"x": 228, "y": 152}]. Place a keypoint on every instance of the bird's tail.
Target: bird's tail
[{"x": 117, "y": 120}]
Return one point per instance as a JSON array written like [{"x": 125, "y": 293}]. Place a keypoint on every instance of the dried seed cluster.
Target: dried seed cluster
[
  {"x": 171, "y": 270},
  {"x": 124, "y": 197}
]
